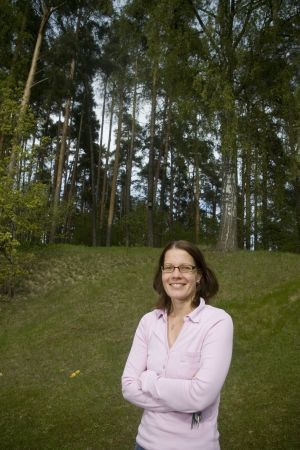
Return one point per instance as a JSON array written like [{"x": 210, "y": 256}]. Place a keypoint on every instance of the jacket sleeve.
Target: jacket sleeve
[
  {"x": 200, "y": 392},
  {"x": 136, "y": 364}
]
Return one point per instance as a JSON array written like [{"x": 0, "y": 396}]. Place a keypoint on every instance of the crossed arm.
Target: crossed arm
[{"x": 148, "y": 390}]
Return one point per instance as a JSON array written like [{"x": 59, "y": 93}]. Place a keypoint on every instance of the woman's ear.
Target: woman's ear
[{"x": 198, "y": 279}]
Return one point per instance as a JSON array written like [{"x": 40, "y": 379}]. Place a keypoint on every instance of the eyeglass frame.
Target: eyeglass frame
[{"x": 178, "y": 267}]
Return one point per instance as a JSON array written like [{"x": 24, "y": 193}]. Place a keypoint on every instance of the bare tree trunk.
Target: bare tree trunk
[
  {"x": 61, "y": 159},
  {"x": 297, "y": 201},
  {"x": 214, "y": 204},
  {"x": 226, "y": 54},
  {"x": 165, "y": 159},
  {"x": 60, "y": 167},
  {"x": 104, "y": 181},
  {"x": 94, "y": 203},
  {"x": 42, "y": 151},
  {"x": 227, "y": 240},
  {"x": 171, "y": 192},
  {"x": 256, "y": 185},
  {"x": 159, "y": 162},
  {"x": 21, "y": 168},
  {"x": 241, "y": 202},
  {"x": 30, "y": 168},
  {"x": 115, "y": 171},
  {"x": 264, "y": 209},
  {"x": 55, "y": 165},
  {"x": 129, "y": 163},
  {"x": 2, "y": 151},
  {"x": 197, "y": 199},
  {"x": 71, "y": 192},
  {"x": 297, "y": 195},
  {"x": 228, "y": 234},
  {"x": 150, "y": 196},
  {"x": 29, "y": 83},
  {"x": 66, "y": 170},
  {"x": 248, "y": 198},
  {"x": 101, "y": 143},
  {"x": 82, "y": 200}
]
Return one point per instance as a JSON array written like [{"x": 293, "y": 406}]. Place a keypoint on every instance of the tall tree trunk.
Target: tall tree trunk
[
  {"x": 227, "y": 240},
  {"x": 171, "y": 190},
  {"x": 165, "y": 159},
  {"x": 42, "y": 151},
  {"x": 129, "y": 163},
  {"x": 101, "y": 143},
  {"x": 104, "y": 180},
  {"x": 66, "y": 172},
  {"x": 297, "y": 195},
  {"x": 55, "y": 165},
  {"x": 115, "y": 170},
  {"x": 61, "y": 158},
  {"x": 264, "y": 202},
  {"x": 256, "y": 189},
  {"x": 159, "y": 161},
  {"x": 71, "y": 193},
  {"x": 214, "y": 204},
  {"x": 224, "y": 49},
  {"x": 150, "y": 196},
  {"x": 31, "y": 159},
  {"x": 197, "y": 199},
  {"x": 297, "y": 202},
  {"x": 21, "y": 169},
  {"x": 28, "y": 86},
  {"x": 241, "y": 202},
  {"x": 94, "y": 202},
  {"x": 248, "y": 171},
  {"x": 60, "y": 167}
]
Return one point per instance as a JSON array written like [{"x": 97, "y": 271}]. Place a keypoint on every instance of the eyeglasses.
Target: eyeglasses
[{"x": 183, "y": 268}]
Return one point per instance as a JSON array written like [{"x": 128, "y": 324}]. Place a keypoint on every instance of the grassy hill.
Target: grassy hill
[{"x": 65, "y": 337}]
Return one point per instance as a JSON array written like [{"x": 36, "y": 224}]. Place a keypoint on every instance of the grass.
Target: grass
[{"x": 78, "y": 311}]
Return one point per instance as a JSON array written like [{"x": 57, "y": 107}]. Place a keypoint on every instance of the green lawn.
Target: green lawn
[{"x": 78, "y": 311}]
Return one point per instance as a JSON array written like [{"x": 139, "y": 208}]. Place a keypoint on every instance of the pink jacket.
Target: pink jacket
[{"x": 170, "y": 384}]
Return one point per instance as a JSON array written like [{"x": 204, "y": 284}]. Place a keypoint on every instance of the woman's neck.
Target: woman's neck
[{"x": 180, "y": 309}]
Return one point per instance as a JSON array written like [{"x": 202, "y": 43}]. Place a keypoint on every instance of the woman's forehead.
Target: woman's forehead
[{"x": 176, "y": 254}]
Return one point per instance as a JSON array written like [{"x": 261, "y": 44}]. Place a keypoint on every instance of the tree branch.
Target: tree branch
[
  {"x": 242, "y": 32},
  {"x": 209, "y": 13},
  {"x": 38, "y": 82},
  {"x": 202, "y": 24},
  {"x": 232, "y": 8}
]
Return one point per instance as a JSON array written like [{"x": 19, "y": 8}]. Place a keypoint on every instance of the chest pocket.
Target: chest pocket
[
  {"x": 189, "y": 364},
  {"x": 190, "y": 357}
]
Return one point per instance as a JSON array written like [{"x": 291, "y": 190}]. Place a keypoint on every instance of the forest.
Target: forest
[{"x": 130, "y": 123}]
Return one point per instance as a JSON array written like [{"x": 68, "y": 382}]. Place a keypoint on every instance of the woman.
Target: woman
[{"x": 180, "y": 356}]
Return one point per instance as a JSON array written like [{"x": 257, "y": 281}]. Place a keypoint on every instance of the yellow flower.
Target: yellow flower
[{"x": 74, "y": 374}]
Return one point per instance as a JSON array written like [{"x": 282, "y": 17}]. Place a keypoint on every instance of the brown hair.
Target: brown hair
[{"x": 207, "y": 287}]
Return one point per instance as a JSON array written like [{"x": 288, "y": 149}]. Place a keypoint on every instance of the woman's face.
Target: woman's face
[{"x": 180, "y": 286}]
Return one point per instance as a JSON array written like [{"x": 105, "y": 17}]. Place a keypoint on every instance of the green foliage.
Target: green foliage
[
  {"x": 82, "y": 226},
  {"x": 10, "y": 113},
  {"x": 23, "y": 219},
  {"x": 8, "y": 250},
  {"x": 23, "y": 212},
  {"x": 136, "y": 223},
  {"x": 9, "y": 110}
]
